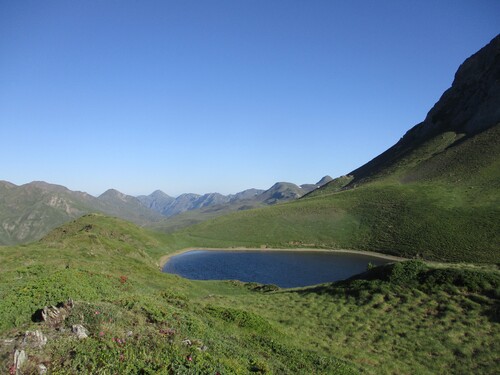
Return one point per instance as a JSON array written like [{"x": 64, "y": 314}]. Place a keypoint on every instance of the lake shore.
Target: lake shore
[{"x": 164, "y": 259}]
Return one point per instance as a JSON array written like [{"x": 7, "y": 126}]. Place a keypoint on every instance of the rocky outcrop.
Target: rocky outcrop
[
  {"x": 80, "y": 331},
  {"x": 472, "y": 103},
  {"x": 54, "y": 316},
  {"x": 470, "y": 106},
  {"x": 34, "y": 339},
  {"x": 24, "y": 348},
  {"x": 19, "y": 359}
]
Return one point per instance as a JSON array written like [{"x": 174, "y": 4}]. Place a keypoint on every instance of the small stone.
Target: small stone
[
  {"x": 42, "y": 369},
  {"x": 129, "y": 333},
  {"x": 35, "y": 338},
  {"x": 19, "y": 358},
  {"x": 80, "y": 331},
  {"x": 204, "y": 348}
]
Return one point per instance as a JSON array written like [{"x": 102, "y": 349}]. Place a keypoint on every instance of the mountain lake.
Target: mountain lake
[{"x": 286, "y": 269}]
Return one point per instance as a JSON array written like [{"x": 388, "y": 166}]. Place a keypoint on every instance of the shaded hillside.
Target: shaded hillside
[
  {"x": 434, "y": 195},
  {"x": 470, "y": 106}
]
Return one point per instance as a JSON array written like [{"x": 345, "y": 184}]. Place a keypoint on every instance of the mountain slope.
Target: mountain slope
[
  {"x": 469, "y": 107},
  {"x": 29, "y": 211},
  {"x": 127, "y": 207},
  {"x": 278, "y": 193},
  {"x": 435, "y": 194},
  {"x": 156, "y": 201}
]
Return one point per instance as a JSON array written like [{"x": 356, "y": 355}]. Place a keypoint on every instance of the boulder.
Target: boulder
[
  {"x": 80, "y": 331},
  {"x": 19, "y": 359},
  {"x": 34, "y": 339},
  {"x": 42, "y": 369}
]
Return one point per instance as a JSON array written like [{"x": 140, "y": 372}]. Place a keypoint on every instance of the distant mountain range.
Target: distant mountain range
[
  {"x": 29, "y": 211},
  {"x": 280, "y": 192}
]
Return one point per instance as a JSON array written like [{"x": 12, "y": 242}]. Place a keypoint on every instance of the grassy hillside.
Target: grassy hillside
[
  {"x": 389, "y": 320},
  {"x": 30, "y": 211},
  {"x": 440, "y": 202},
  {"x": 432, "y": 196}
]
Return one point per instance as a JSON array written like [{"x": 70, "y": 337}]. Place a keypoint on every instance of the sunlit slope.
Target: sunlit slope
[
  {"x": 427, "y": 220},
  {"x": 446, "y": 208},
  {"x": 435, "y": 194},
  {"x": 167, "y": 324}
]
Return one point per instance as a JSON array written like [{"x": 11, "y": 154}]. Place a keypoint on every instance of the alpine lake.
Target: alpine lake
[{"x": 286, "y": 269}]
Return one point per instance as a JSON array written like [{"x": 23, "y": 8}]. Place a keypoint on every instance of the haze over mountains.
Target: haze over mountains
[{"x": 29, "y": 211}]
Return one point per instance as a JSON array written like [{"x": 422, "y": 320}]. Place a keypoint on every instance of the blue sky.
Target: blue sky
[{"x": 204, "y": 96}]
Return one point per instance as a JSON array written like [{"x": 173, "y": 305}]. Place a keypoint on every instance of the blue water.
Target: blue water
[{"x": 287, "y": 269}]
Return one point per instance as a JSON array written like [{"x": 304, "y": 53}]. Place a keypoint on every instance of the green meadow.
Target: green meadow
[{"x": 410, "y": 317}]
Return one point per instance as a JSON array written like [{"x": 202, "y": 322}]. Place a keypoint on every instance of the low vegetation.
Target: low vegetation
[
  {"x": 431, "y": 197},
  {"x": 440, "y": 202},
  {"x": 404, "y": 318}
]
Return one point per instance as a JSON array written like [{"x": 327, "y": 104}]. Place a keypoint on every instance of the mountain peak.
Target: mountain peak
[
  {"x": 114, "y": 194},
  {"x": 46, "y": 186},
  {"x": 7, "y": 184},
  {"x": 159, "y": 194},
  {"x": 324, "y": 180},
  {"x": 470, "y": 106}
]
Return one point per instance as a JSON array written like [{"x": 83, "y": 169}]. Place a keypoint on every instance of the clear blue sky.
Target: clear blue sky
[{"x": 204, "y": 96}]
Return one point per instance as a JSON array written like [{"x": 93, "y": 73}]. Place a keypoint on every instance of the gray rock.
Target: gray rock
[
  {"x": 42, "y": 369},
  {"x": 80, "y": 331},
  {"x": 55, "y": 315},
  {"x": 19, "y": 359},
  {"x": 34, "y": 339}
]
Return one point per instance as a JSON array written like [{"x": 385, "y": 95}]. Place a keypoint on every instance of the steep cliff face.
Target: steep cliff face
[{"x": 470, "y": 106}]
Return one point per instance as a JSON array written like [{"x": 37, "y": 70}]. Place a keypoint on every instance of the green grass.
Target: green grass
[
  {"x": 438, "y": 202},
  {"x": 404, "y": 318},
  {"x": 110, "y": 267},
  {"x": 431, "y": 221}
]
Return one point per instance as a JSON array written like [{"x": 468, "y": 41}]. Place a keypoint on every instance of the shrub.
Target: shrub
[{"x": 406, "y": 273}]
